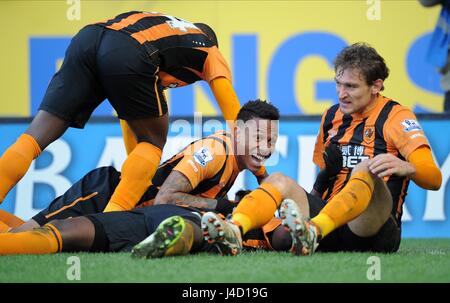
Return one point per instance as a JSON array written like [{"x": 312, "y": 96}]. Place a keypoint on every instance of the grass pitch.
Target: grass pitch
[{"x": 417, "y": 261}]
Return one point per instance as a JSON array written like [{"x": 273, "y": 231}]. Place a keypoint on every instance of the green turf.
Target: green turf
[{"x": 416, "y": 261}]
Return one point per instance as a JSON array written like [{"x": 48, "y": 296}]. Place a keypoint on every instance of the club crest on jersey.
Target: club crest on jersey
[
  {"x": 369, "y": 134},
  {"x": 203, "y": 156},
  {"x": 411, "y": 125}
]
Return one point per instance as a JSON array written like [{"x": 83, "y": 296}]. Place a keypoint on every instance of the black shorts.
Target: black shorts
[
  {"x": 89, "y": 195},
  {"x": 101, "y": 63},
  {"x": 120, "y": 231},
  {"x": 387, "y": 239}
]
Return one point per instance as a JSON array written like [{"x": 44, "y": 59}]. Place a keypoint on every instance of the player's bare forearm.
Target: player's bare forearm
[
  {"x": 193, "y": 201},
  {"x": 176, "y": 189}
]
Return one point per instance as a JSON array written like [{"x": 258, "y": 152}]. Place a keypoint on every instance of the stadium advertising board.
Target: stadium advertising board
[
  {"x": 277, "y": 50},
  {"x": 77, "y": 152}
]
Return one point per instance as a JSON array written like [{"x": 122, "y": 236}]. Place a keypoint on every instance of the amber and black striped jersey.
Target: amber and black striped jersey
[
  {"x": 387, "y": 128},
  {"x": 209, "y": 164},
  {"x": 185, "y": 54}
]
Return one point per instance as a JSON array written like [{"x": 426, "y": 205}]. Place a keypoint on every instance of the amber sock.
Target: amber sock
[
  {"x": 15, "y": 162},
  {"x": 4, "y": 228},
  {"x": 348, "y": 204},
  {"x": 137, "y": 173},
  {"x": 10, "y": 219},
  {"x": 42, "y": 240},
  {"x": 128, "y": 137},
  {"x": 257, "y": 208}
]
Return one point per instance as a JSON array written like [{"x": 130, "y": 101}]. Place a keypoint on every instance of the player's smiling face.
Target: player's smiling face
[
  {"x": 255, "y": 142},
  {"x": 355, "y": 95}
]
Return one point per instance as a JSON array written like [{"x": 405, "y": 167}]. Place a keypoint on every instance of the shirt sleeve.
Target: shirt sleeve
[
  {"x": 226, "y": 98},
  {"x": 319, "y": 146},
  {"x": 202, "y": 160},
  {"x": 428, "y": 175},
  {"x": 215, "y": 66},
  {"x": 404, "y": 132}
]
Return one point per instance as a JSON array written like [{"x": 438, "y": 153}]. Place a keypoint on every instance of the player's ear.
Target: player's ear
[{"x": 377, "y": 86}]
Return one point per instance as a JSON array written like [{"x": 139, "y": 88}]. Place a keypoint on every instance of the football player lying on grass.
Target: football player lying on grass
[{"x": 194, "y": 180}]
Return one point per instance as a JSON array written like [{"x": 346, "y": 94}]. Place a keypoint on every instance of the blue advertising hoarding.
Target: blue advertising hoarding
[{"x": 100, "y": 144}]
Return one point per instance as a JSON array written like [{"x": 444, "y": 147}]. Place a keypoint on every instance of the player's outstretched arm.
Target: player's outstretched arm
[{"x": 226, "y": 98}]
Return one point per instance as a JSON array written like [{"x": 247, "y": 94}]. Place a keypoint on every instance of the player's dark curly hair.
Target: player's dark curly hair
[
  {"x": 258, "y": 109},
  {"x": 363, "y": 57},
  {"x": 208, "y": 31}
]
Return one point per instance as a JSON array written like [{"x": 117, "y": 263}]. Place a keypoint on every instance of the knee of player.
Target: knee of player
[
  {"x": 280, "y": 181},
  {"x": 362, "y": 167}
]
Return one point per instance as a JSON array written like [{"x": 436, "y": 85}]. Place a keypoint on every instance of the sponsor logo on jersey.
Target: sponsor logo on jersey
[
  {"x": 352, "y": 155},
  {"x": 410, "y": 125},
  {"x": 203, "y": 156}
]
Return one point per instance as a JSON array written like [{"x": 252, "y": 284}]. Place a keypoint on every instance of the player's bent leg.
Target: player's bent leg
[
  {"x": 46, "y": 128},
  {"x": 371, "y": 220},
  {"x": 152, "y": 130},
  {"x": 352, "y": 200},
  {"x": 305, "y": 236},
  {"x": 174, "y": 236},
  {"x": 225, "y": 235},
  {"x": 29, "y": 225},
  {"x": 258, "y": 207},
  {"x": 10, "y": 219},
  {"x": 289, "y": 189},
  {"x": 42, "y": 240},
  {"x": 77, "y": 234},
  {"x": 4, "y": 228},
  {"x": 14, "y": 163},
  {"x": 140, "y": 166},
  {"x": 8, "y": 222},
  {"x": 88, "y": 195}
]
